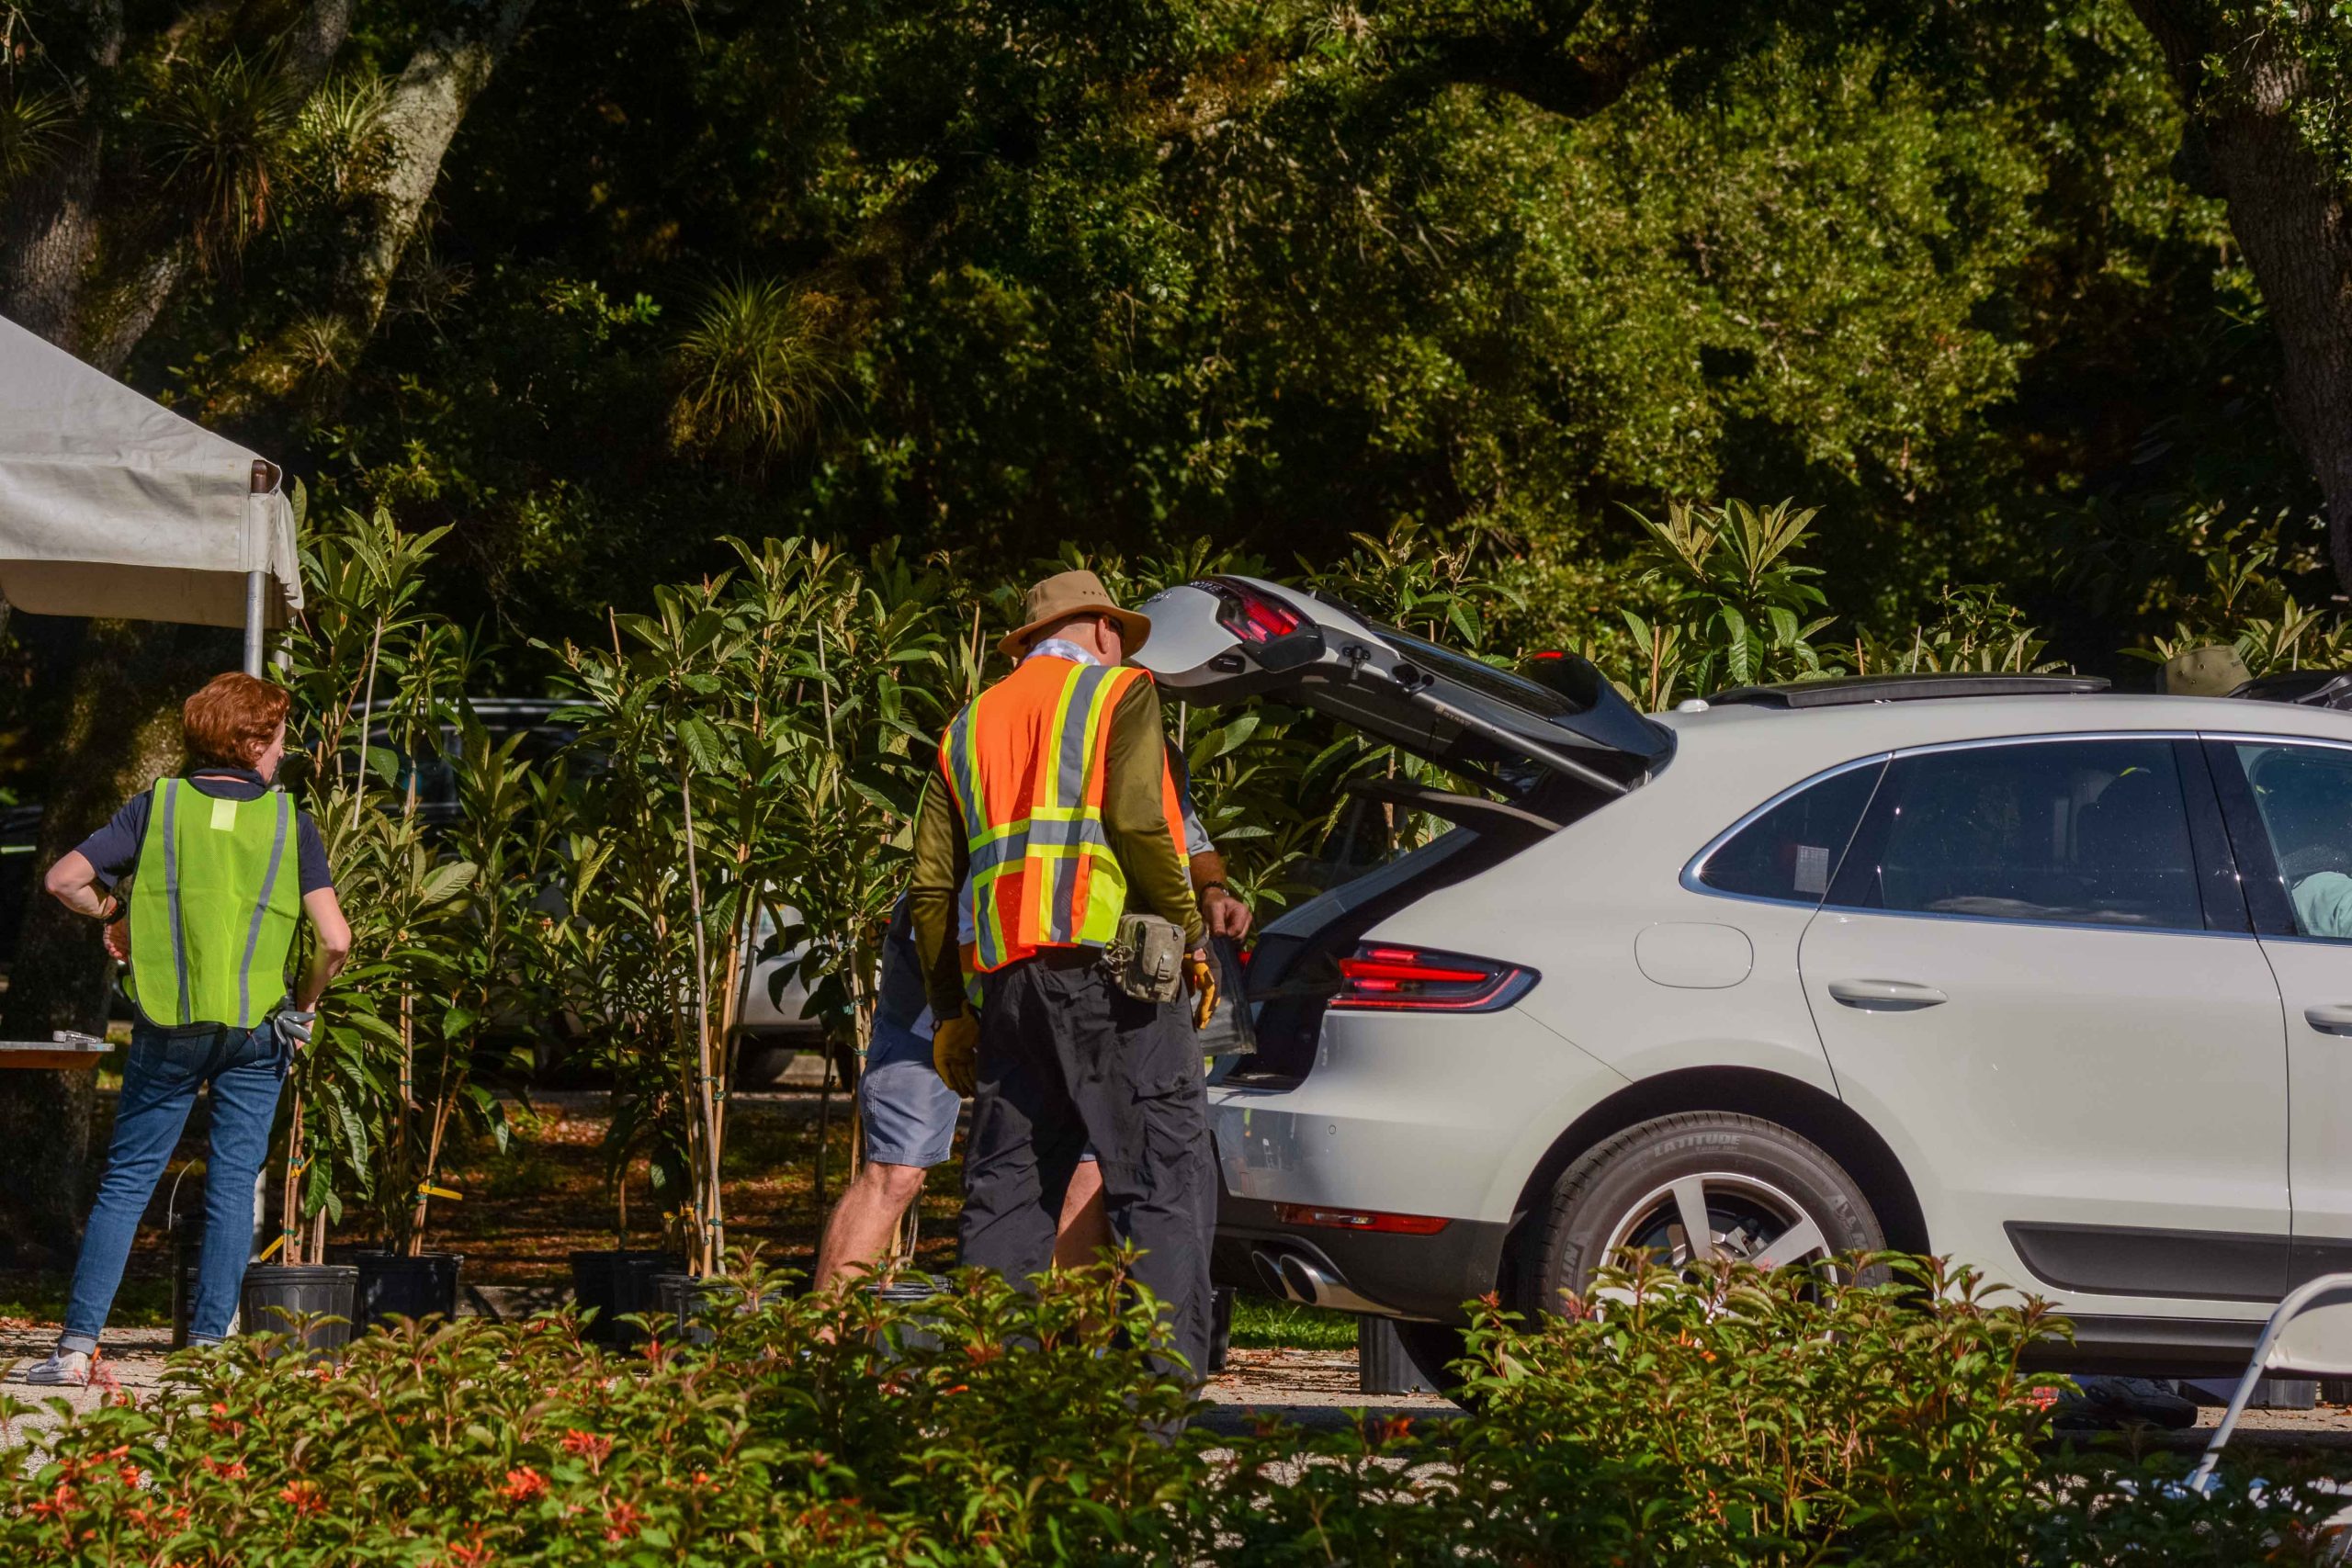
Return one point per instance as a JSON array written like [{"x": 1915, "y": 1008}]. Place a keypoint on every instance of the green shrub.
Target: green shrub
[{"x": 1739, "y": 1420}]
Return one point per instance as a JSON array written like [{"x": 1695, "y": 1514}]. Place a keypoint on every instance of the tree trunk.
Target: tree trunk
[
  {"x": 426, "y": 106},
  {"x": 2289, "y": 209},
  {"x": 60, "y": 974},
  {"x": 57, "y": 230},
  {"x": 50, "y": 230}
]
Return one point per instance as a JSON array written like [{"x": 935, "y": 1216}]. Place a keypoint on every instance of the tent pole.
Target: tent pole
[{"x": 257, "y": 584}]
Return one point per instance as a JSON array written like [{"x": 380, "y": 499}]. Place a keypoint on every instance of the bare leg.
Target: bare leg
[
  {"x": 1084, "y": 1229},
  {"x": 862, "y": 1222}
]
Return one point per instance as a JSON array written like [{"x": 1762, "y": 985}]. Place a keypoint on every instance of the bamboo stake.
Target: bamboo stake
[
  {"x": 739, "y": 929},
  {"x": 859, "y": 1038},
  {"x": 291, "y": 1209},
  {"x": 366, "y": 722},
  {"x": 710, "y": 1245}
]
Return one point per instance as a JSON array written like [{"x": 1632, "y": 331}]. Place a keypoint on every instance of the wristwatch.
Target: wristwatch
[
  {"x": 1213, "y": 883},
  {"x": 111, "y": 912}
]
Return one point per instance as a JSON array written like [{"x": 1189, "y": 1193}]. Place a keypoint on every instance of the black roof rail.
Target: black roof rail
[
  {"x": 2309, "y": 688},
  {"x": 1844, "y": 691}
]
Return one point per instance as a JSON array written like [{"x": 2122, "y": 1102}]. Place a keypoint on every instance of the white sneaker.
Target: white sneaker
[{"x": 64, "y": 1369}]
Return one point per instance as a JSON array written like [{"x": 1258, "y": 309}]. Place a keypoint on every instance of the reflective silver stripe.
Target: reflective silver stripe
[
  {"x": 260, "y": 907},
  {"x": 1064, "y": 925},
  {"x": 1070, "y": 782},
  {"x": 172, "y": 895},
  {"x": 1039, "y": 833}
]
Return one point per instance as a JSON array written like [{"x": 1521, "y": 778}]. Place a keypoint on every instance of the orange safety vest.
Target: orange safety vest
[{"x": 1026, "y": 762}]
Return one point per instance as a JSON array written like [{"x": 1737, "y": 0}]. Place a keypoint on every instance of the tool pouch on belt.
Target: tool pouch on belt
[{"x": 1146, "y": 958}]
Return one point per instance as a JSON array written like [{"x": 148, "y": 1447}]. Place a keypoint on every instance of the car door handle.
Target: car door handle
[
  {"x": 1885, "y": 995},
  {"x": 2330, "y": 1018}
]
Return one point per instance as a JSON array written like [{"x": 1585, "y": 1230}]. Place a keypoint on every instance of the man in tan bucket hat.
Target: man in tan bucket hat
[
  {"x": 1071, "y": 596},
  {"x": 1054, "y": 811}
]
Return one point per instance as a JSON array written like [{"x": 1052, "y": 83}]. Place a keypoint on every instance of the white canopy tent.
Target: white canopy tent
[{"x": 111, "y": 504}]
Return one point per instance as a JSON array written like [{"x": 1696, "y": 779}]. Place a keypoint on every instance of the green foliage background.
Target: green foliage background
[{"x": 1135, "y": 272}]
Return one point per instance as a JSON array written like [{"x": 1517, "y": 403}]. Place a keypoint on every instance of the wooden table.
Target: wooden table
[{"x": 67, "y": 1050}]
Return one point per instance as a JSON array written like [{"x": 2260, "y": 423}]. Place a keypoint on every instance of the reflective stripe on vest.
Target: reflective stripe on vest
[
  {"x": 214, "y": 909},
  {"x": 1027, "y": 763}
]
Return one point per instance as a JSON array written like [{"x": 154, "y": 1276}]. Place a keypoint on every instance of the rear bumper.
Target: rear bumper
[{"x": 1428, "y": 1277}]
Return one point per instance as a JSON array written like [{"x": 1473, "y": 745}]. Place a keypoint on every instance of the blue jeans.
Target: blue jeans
[{"x": 245, "y": 1069}]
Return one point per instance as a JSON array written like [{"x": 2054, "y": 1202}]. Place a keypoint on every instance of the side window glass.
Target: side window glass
[
  {"x": 2300, "y": 798},
  {"x": 1791, "y": 850},
  {"x": 2076, "y": 831}
]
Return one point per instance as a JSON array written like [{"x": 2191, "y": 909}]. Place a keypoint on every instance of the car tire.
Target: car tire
[{"x": 1771, "y": 1197}]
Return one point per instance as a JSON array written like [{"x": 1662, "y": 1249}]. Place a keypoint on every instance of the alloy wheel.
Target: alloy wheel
[{"x": 1710, "y": 1215}]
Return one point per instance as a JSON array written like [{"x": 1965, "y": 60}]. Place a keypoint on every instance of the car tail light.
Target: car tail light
[
  {"x": 1249, "y": 614},
  {"x": 1359, "y": 1220},
  {"x": 1386, "y": 978}
]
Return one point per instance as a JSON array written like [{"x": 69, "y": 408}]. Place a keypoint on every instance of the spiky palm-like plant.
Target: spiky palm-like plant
[
  {"x": 32, "y": 132},
  {"x": 757, "y": 365},
  {"x": 225, "y": 135},
  {"x": 339, "y": 139}
]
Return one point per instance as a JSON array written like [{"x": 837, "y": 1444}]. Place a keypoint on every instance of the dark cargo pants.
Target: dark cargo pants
[{"x": 1066, "y": 1058}]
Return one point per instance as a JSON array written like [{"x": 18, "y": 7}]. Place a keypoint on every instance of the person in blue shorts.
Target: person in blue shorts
[{"x": 907, "y": 1113}]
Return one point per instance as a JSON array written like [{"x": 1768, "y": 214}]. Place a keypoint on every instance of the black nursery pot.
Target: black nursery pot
[
  {"x": 393, "y": 1285},
  {"x": 687, "y": 1301},
  {"x": 915, "y": 1333},
  {"x": 615, "y": 1284},
  {"x": 279, "y": 1295}
]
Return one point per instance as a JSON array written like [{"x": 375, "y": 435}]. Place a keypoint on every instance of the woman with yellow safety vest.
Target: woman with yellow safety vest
[{"x": 225, "y": 867}]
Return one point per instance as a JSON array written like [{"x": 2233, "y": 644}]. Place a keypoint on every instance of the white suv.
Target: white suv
[{"x": 2006, "y": 968}]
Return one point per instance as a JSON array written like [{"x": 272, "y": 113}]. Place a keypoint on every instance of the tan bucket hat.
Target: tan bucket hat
[
  {"x": 2214, "y": 671},
  {"x": 1071, "y": 594}
]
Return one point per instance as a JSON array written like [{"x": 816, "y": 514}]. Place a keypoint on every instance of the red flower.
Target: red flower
[
  {"x": 471, "y": 1555},
  {"x": 622, "y": 1522},
  {"x": 62, "y": 1501},
  {"x": 233, "y": 1470},
  {"x": 524, "y": 1484},
  {"x": 303, "y": 1498},
  {"x": 588, "y": 1446}
]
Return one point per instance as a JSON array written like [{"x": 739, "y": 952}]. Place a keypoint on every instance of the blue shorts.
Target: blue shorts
[{"x": 907, "y": 1111}]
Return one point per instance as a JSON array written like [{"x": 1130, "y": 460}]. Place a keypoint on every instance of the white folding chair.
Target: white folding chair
[{"x": 2308, "y": 1336}]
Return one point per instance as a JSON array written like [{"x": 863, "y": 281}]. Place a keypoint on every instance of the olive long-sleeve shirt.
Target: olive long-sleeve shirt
[{"x": 1134, "y": 821}]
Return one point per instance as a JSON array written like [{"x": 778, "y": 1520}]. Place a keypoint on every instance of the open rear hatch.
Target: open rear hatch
[
  {"x": 1223, "y": 639},
  {"x": 1548, "y": 746}
]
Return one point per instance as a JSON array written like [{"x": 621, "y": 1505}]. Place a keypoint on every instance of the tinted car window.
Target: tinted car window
[
  {"x": 1792, "y": 848},
  {"x": 2302, "y": 805},
  {"x": 2082, "y": 831}
]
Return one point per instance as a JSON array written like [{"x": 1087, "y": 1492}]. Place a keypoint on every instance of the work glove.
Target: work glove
[
  {"x": 294, "y": 1024},
  {"x": 1200, "y": 978},
  {"x": 956, "y": 1052}
]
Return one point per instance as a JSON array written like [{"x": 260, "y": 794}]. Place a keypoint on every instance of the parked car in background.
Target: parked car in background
[
  {"x": 773, "y": 1021},
  {"x": 2054, "y": 981}
]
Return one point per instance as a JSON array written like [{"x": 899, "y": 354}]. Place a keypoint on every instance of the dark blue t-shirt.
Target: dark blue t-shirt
[{"x": 114, "y": 849}]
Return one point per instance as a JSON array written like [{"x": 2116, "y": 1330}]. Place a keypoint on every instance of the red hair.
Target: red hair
[{"x": 231, "y": 721}]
